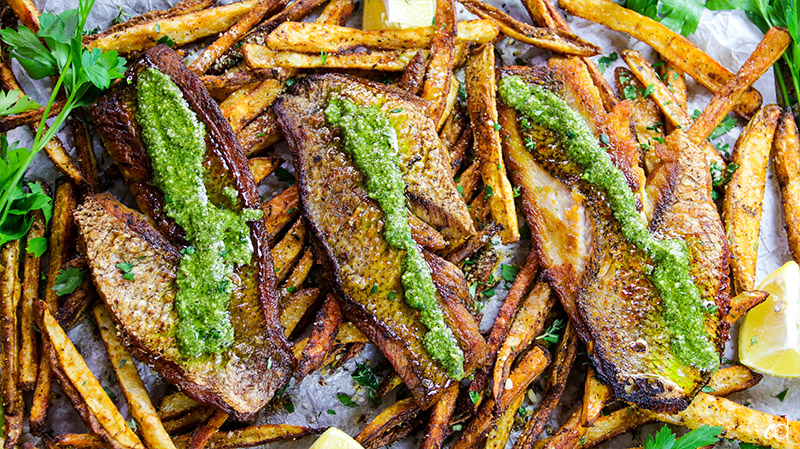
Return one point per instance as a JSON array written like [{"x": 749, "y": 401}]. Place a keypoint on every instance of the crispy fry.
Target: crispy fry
[
  {"x": 142, "y": 410},
  {"x": 336, "y": 12},
  {"x": 176, "y": 404},
  {"x": 440, "y": 65},
  {"x": 258, "y": 56},
  {"x": 261, "y": 133},
  {"x": 81, "y": 378},
  {"x": 741, "y": 208},
  {"x": 481, "y": 92},
  {"x": 241, "y": 107},
  {"x": 300, "y": 271},
  {"x": 10, "y": 290},
  {"x": 188, "y": 421},
  {"x": 475, "y": 243},
  {"x": 27, "y": 13},
  {"x": 200, "y": 436},
  {"x": 566, "y": 436},
  {"x": 85, "y": 153},
  {"x": 401, "y": 411},
  {"x": 424, "y": 234},
  {"x": 315, "y": 37},
  {"x": 323, "y": 335},
  {"x": 670, "y": 45},
  {"x": 28, "y": 351},
  {"x": 456, "y": 134},
  {"x": 449, "y": 103},
  {"x": 295, "y": 306},
  {"x": 28, "y": 118},
  {"x": 221, "y": 86},
  {"x": 786, "y": 155},
  {"x": 252, "y": 436},
  {"x": 595, "y": 396},
  {"x": 771, "y": 47},
  {"x": 286, "y": 252},
  {"x": 76, "y": 304},
  {"x": 281, "y": 210},
  {"x": 675, "y": 81},
  {"x": 467, "y": 183},
  {"x": 563, "y": 42},
  {"x": 78, "y": 441},
  {"x": 181, "y": 29},
  {"x": 439, "y": 421},
  {"x": 413, "y": 74},
  {"x": 349, "y": 333},
  {"x": 501, "y": 431},
  {"x": 389, "y": 383},
  {"x": 263, "y": 167}
]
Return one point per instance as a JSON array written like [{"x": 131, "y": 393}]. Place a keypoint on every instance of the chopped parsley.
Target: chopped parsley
[
  {"x": 346, "y": 400},
  {"x": 552, "y": 333},
  {"x": 606, "y": 61},
  {"x": 68, "y": 280}
]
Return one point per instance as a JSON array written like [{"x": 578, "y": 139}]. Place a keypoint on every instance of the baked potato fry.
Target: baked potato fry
[
  {"x": 151, "y": 429},
  {"x": 439, "y": 421},
  {"x": 468, "y": 181},
  {"x": 460, "y": 254},
  {"x": 481, "y": 92},
  {"x": 744, "y": 194},
  {"x": 176, "y": 404},
  {"x": 10, "y": 290},
  {"x": 336, "y": 12},
  {"x": 281, "y": 210},
  {"x": 221, "y": 86},
  {"x": 300, "y": 271},
  {"x": 200, "y": 436},
  {"x": 675, "y": 81},
  {"x": 181, "y": 29},
  {"x": 263, "y": 167},
  {"x": 287, "y": 251},
  {"x": 501, "y": 431},
  {"x": 316, "y": 37},
  {"x": 400, "y": 412},
  {"x": 84, "y": 151},
  {"x": 413, "y": 75},
  {"x": 78, "y": 441},
  {"x": 595, "y": 396},
  {"x": 28, "y": 118},
  {"x": 27, "y": 13},
  {"x": 261, "y": 133},
  {"x": 187, "y": 422},
  {"x": 28, "y": 351},
  {"x": 259, "y": 56},
  {"x": 438, "y": 77},
  {"x": 252, "y": 436},
  {"x": 74, "y": 368},
  {"x": 242, "y": 106},
  {"x": 786, "y": 154},
  {"x": 322, "y": 337},
  {"x": 295, "y": 306},
  {"x": 670, "y": 45}
]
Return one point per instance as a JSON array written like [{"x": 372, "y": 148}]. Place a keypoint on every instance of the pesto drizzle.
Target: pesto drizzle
[
  {"x": 219, "y": 238},
  {"x": 372, "y": 142},
  {"x": 684, "y": 312}
]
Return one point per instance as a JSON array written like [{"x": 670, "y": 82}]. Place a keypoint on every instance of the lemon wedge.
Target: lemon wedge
[
  {"x": 334, "y": 438},
  {"x": 398, "y": 14},
  {"x": 769, "y": 338}
]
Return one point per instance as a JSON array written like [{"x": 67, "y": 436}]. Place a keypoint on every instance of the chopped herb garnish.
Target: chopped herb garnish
[
  {"x": 509, "y": 272},
  {"x": 606, "y": 61},
  {"x": 552, "y": 333},
  {"x": 697, "y": 438},
  {"x": 488, "y": 191},
  {"x": 346, "y": 400},
  {"x": 37, "y": 246},
  {"x": 68, "y": 280}
]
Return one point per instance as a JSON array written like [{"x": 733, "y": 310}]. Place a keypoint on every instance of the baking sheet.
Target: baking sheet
[{"x": 728, "y": 37}]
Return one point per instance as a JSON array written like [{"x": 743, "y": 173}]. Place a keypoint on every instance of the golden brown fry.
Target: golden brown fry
[
  {"x": 323, "y": 335},
  {"x": 501, "y": 431},
  {"x": 425, "y": 235},
  {"x": 221, "y": 86},
  {"x": 467, "y": 182},
  {"x": 142, "y": 410},
  {"x": 349, "y": 333},
  {"x": 261, "y": 133},
  {"x": 475, "y": 243},
  {"x": 413, "y": 75},
  {"x": 259, "y": 56},
  {"x": 559, "y": 41},
  {"x": 481, "y": 92},
  {"x": 300, "y": 271},
  {"x": 10, "y": 290},
  {"x": 84, "y": 151},
  {"x": 595, "y": 396},
  {"x": 786, "y": 155},
  {"x": 281, "y": 210},
  {"x": 744, "y": 194},
  {"x": 566, "y": 436},
  {"x": 401, "y": 411},
  {"x": 336, "y": 12},
  {"x": 439, "y": 421},
  {"x": 769, "y": 50},
  {"x": 75, "y": 305},
  {"x": 83, "y": 381},
  {"x": 29, "y": 118},
  {"x": 78, "y": 441},
  {"x": 241, "y": 107},
  {"x": 229, "y": 37},
  {"x": 316, "y": 37},
  {"x": 28, "y": 352},
  {"x": 389, "y": 383},
  {"x": 449, "y": 103},
  {"x": 182, "y": 29},
  {"x": 27, "y": 12},
  {"x": 286, "y": 252},
  {"x": 200, "y": 436},
  {"x": 188, "y": 421},
  {"x": 252, "y": 436},
  {"x": 263, "y": 166},
  {"x": 670, "y": 45},
  {"x": 295, "y": 306},
  {"x": 176, "y": 404},
  {"x": 438, "y": 77},
  {"x": 675, "y": 81}
]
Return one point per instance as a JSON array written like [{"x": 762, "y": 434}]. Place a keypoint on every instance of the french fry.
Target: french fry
[
  {"x": 295, "y": 306},
  {"x": 438, "y": 77},
  {"x": 595, "y": 396},
  {"x": 475, "y": 243},
  {"x": 287, "y": 251},
  {"x": 28, "y": 118},
  {"x": 281, "y": 210},
  {"x": 323, "y": 335},
  {"x": 413, "y": 75},
  {"x": 481, "y": 92},
  {"x": 396, "y": 414},
  {"x": 10, "y": 290},
  {"x": 744, "y": 194},
  {"x": 221, "y": 86},
  {"x": 336, "y": 12},
  {"x": 28, "y": 351},
  {"x": 229, "y": 37},
  {"x": 176, "y": 404},
  {"x": 85, "y": 153},
  {"x": 501, "y": 431},
  {"x": 200, "y": 437},
  {"x": 647, "y": 116},
  {"x": 187, "y": 421},
  {"x": 424, "y": 234},
  {"x": 455, "y": 135},
  {"x": 142, "y": 410},
  {"x": 675, "y": 81},
  {"x": 389, "y": 383},
  {"x": 259, "y": 56},
  {"x": 771, "y": 47},
  {"x": 241, "y": 107},
  {"x": 449, "y": 103},
  {"x": 27, "y": 12},
  {"x": 74, "y": 368},
  {"x": 76, "y": 304},
  {"x": 252, "y": 436},
  {"x": 78, "y": 441},
  {"x": 261, "y": 133},
  {"x": 439, "y": 421},
  {"x": 300, "y": 271},
  {"x": 673, "y": 47},
  {"x": 263, "y": 167},
  {"x": 467, "y": 182},
  {"x": 181, "y": 29},
  {"x": 316, "y": 37},
  {"x": 562, "y": 42},
  {"x": 786, "y": 156},
  {"x": 566, "y": 436}
]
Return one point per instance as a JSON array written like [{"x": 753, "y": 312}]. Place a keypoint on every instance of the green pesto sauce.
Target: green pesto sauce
[
  {"x": 219, "y": 238},
  {"x": 372, "y": 142},
  {"x": 684, "y": 312}
]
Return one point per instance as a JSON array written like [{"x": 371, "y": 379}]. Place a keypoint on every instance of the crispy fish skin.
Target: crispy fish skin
[
  {"x": 600, "y": 277},
  {"x": 347, "y": 227},
  {"x": 226, "y": 167}
]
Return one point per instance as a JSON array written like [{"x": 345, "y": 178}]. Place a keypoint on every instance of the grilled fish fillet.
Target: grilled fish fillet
[
  {"x": 347, "y": 226},
  {"x": 241, "y": 380},
  {"x": 598, "y": 274}
]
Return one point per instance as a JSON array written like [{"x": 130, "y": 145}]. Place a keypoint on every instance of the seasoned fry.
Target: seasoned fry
[
  {"x": 221, "y": 86},
  {"x": 78, "y": 441},
  {"x": 85, "y": 153},
  {"x": 440, "y": 65},
  {"x": 475, "y": 243},
  {"x": 401, "y": 411},
  {"x": 389, "y": 383},
  {"x": 295, "y": 306},
  {"x": 595, "y": 396},
  {"x": 176, "y": 404},
  {"x": 558, "y": 41},
  {"x": 566, "y": 436},
  {"x": 28, "y": 118},
  {"x": 76, "y": 304},
  {"x": 771, "y": 47},
  {"x": 424, "y": 234},
  {"x": 200, "y": 437},
  {"x": 81, "y": 378},
  {"x": 742, "y": 206},
  {"x": 323, "y": 335},
  {"x": 675, "y": 81},
  {"x": 263, "y": 167},
  {"x": 28, "y": 352},
  {"x": 27, "y": 12},
  {"x": 142, "y": 410},
  {"x": 673, "y": 47},
  {"x": 10, "y": 290},
  {"x": 182, "y": 29},
  {"x": 241, "y": 107},
  {"x": 286, "y": 252},
  {"x": 413, "y": 74},
  {"x": 261, "y": 133},
  {"x": 316, "y": 37},
  {"x": 481, "y": 92},
  {"x": 786, "y": 155},
  {"x": 258, "y": 56},
  {"x": 336, "y": 12},
  {"x": 467, "y": 183},
  {"x": 439, "y": 422},
  {"x": 281, "y": 210},
  {"x": 300, "y": 271},
  {"x": 252, "y": 436},
  {"x": 188, "y": 421},
  {"x": 500, "y": 432}
]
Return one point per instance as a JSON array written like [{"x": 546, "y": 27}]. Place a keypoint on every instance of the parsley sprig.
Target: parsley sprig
[
  {"x": 665, "y": 439},
  {"x": 56, "y": 49},
  {"x": 682, "y": 16}
]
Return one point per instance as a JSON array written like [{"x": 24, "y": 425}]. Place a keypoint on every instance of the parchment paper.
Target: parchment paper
[{"x": 728, "y": 37}]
